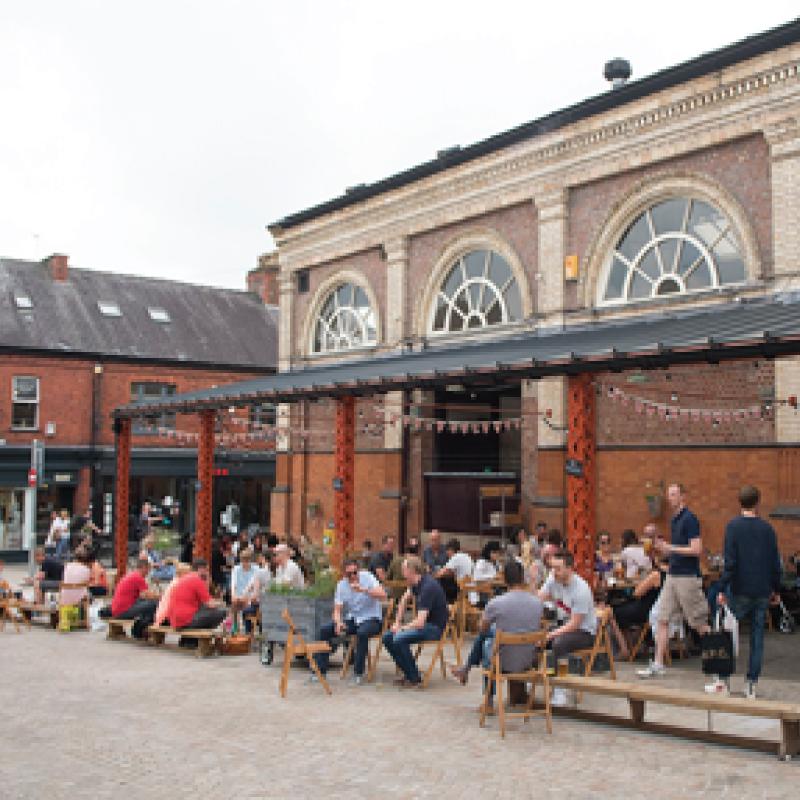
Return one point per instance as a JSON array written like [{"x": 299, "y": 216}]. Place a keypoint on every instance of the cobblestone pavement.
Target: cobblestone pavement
[{"x": 84, "y": 717}]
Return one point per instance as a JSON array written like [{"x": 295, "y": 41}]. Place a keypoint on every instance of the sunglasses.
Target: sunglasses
[{"x": 351, "y": 573}]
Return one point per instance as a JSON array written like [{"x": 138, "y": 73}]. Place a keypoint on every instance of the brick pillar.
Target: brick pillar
[
  {"x": 784, "y": 147},
  {"x": 205, "y": 494},
  {"x": 581, "y": 492},
  {"x": 552, "y": 210},
  {"x": 121, "y": 508},
  {"x": 344, "y": 504}
]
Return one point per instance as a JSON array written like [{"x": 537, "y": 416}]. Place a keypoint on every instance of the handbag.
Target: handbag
[{"x": 717, "y": 651}]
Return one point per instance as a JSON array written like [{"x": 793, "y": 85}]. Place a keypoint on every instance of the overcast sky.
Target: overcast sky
[{"x": 160, "y": 137}]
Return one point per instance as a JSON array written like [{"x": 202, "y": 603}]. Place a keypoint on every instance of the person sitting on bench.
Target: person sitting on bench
[
  {"x": 132, "y": 600},
  {"x": 427, "y": 626},
  {"x": 361, "y": 593},
  {"x": 191, "y": 605},
  {"x": 48, "y": 578},
  {"x": 574, "y": 599},
  {"x": 181, "y": 569}
]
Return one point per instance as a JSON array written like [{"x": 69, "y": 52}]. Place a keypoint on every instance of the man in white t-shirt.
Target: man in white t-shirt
[
  {"x": 287, "y": 573},
  {"x": 573, "y": 598},
  {"x": 459, "y": 566}
]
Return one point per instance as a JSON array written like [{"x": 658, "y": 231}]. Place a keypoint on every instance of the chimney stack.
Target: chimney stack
[
  {"x": 59, "y": 266},
  {"x": 263, "y": 280}
]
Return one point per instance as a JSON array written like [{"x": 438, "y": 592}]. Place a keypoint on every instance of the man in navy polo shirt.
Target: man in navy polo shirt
[
  {"x": 427, "y": 626},
  {"x": 682, "y": 593}
]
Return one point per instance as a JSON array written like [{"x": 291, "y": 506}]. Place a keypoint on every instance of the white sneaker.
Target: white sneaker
[
  {"x": 559, "y": 698},
  {"x": 718, "y": 687},
  {"x": 652, "y": 670},
  {"x": 750, "y": 690},
  {"x": 357, "y": 680}
]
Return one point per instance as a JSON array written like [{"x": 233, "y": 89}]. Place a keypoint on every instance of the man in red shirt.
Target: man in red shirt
[
  {"x": 190, "y": 604},
  {"x": 131, "y": 597}
]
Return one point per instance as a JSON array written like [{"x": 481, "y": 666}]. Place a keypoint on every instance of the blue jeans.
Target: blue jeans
[
  {"x": 755, "y": 609},
  {"x": 362, "y": 632},
  {"x": 398, "y": 646},
  {"x": 476, "y": 655}
]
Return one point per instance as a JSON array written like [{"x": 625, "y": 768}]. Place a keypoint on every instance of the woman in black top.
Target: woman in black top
[{"x": 636, "y": 611}]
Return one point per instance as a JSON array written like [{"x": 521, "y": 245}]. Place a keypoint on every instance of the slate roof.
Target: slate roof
[
  {"x": 705, "y": 64},
  {"x": 741, "y": 329},
  {"x": 208, "y": 325}
]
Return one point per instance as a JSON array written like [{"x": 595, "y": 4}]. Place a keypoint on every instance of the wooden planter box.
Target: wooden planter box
[{"x": 309, "y": 615}]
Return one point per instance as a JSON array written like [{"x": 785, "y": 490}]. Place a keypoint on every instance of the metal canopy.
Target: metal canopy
[{"x": 764, "y": 327}]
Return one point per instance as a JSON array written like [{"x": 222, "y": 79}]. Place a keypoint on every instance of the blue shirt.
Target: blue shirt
[
  {"x": 241, "y": 578},
  {"x": 359, "y": 605},
  {"x": 684, "y": 527}
]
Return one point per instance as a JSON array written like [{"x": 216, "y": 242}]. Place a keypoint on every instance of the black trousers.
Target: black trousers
[
  {"x": 146, "y": 609},
  {"x": 206, "y": 617}
]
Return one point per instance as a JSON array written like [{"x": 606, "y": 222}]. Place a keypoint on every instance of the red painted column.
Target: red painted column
[
  {"x": 582, "y": 491},
  {"x": 344, "y": 508},
  {"x": 205, "y": 494},
  {"x": 122, "y": 494}
]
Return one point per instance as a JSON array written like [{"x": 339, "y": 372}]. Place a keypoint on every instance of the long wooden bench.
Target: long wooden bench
[
  {"x": 119, "y": 629},
  {"x": 30, "y": 611},
  {"x": 208, "y": 640},
  {"x": 639, "y": 694}
]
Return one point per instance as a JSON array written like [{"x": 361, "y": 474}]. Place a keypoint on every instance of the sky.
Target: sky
[{"x": 161, "y": 137}]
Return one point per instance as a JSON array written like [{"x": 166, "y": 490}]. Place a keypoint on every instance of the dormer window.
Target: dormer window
[
  {"x": 158, "y": 314},
  {"x": 108, "y": 309}
]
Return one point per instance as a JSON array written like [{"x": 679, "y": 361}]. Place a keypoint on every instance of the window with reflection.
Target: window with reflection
[
  {"x": 478, "y": 291},
  {"x": 677, "y": 246},
  {"x": 346, "y": 321}
]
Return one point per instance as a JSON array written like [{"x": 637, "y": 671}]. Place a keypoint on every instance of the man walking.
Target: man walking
[
  {"x": 752, "y": 576},
  {"x": 682, "y": 593}
]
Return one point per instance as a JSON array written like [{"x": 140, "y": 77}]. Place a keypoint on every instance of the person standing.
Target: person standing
[
  {"x": 683, "y": 590},
  {"x": 752, "y": 577}
]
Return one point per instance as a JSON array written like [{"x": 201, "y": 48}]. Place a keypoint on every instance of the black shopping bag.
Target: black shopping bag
[{"x": 717, "y": 651}]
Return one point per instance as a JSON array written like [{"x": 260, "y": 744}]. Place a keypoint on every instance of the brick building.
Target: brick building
[
  {"x": 667, "y": 204},
  {"x": 75, "y": 344}
]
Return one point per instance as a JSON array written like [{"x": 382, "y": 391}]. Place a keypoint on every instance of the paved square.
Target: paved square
[{"x": 87, "y": 718}]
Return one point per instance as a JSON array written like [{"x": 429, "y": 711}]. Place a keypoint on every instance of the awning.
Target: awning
[{"x": 763, "y": 327}]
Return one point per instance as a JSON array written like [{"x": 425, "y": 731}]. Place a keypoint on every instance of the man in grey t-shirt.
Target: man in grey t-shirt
[{"x": 516, "y": 611}]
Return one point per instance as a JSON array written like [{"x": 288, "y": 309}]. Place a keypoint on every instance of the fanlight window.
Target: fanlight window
[
  {"x": 479, "y": 291},
  {"x": 678, "y": 246},
  {"x": 345, "y": 321}
]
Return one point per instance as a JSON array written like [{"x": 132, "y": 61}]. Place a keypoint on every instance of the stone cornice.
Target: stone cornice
[{"x": 708, "y": 111}]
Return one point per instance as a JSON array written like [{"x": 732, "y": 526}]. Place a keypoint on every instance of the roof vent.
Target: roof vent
[
  {"x": 448, "y": 151},
  {"x": 616, "y": 72},
  {"x": 108, "y": 309},
  {"x": 23, "y": 302},
  {"x": 355, "y": 189},
  {"x": 158, "y": 314}
]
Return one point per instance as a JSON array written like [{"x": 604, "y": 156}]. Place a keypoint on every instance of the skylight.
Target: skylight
[
  {"x": 23, "y": 302},
  {"x": 158, "y": 314},
  {"x": 108, "y": 309}
]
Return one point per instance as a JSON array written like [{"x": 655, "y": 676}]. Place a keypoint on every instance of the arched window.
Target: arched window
[
  {"x": 676, "y": 246},
  {"x": 346, "y": 321},
  {"x": 479, "y": 290}
]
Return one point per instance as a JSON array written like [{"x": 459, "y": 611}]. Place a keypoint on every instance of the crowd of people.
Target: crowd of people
[{"x": 654, "y": 578}]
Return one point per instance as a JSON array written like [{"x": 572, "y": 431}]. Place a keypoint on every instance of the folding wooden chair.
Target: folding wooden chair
[
  {"x": 9, "y": 606},
  {"x": 536, "y": 675},
  {"x": 372, "y": 660},
  {"x": 640, "y": 640},
  {"x": 296, "y": 645},
  {"x": 449, "y": 636},
  {"x": 602, "y": 644}
]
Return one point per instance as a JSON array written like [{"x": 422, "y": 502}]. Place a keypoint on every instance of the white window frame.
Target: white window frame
[{"x": 15, "y": 401}]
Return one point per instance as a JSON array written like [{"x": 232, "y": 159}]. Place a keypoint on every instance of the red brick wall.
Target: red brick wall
[
  {"x": 311, "y": 479},
  {"x": 741, "y": 167},
  {"x": 65, "y": 396},
  {"x": 731, "y": 385}
]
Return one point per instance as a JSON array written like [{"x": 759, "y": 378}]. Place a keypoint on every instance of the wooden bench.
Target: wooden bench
[
  {"x": 30, "y": 611},
  {"x": 639, "y": 694},
  {"x": 208, "y": 640},
  {"x": 119, "y": 629}
]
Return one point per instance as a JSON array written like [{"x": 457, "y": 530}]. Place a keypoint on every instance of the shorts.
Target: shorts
[{"x": 683, "y": 596}]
